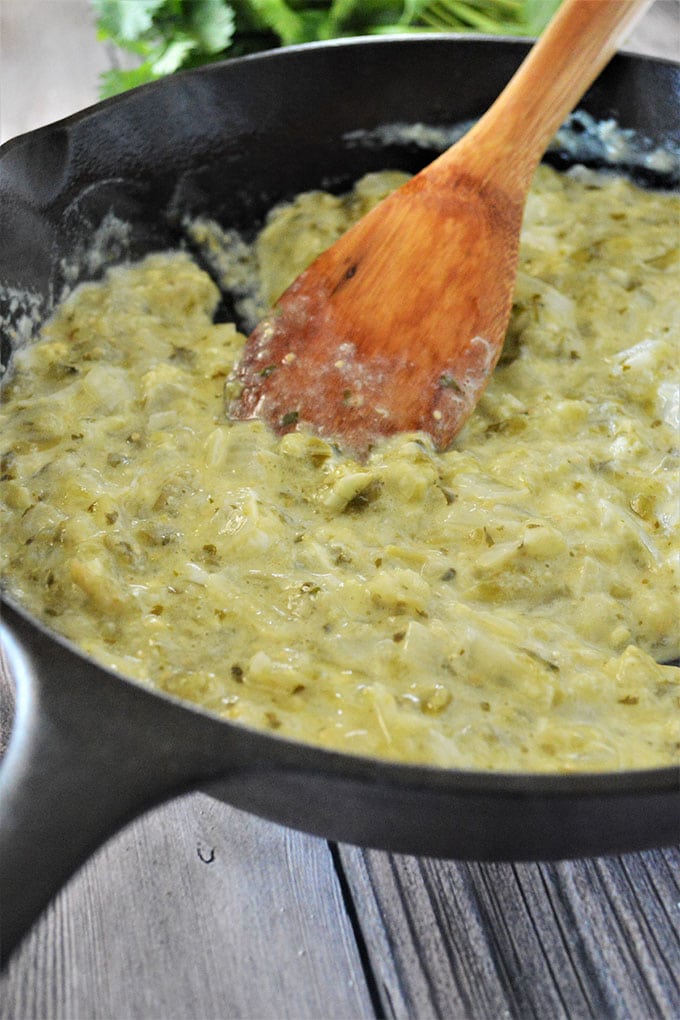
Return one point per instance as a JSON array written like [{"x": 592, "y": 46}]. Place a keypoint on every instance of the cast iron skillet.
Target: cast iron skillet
[{"x": 89, "y": 750}]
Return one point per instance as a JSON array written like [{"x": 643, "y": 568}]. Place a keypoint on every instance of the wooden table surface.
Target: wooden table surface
[{"x": 200, "y": 911}]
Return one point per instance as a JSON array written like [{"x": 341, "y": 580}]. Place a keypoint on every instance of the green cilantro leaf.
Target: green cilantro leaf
[
  {"x": 125, "y": 21},
  {"x": 170, "y": 34},
  {"x": 212, "y": 24}
]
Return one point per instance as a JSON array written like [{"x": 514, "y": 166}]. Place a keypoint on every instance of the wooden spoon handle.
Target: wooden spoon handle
[{"x": 577, "y": 44}]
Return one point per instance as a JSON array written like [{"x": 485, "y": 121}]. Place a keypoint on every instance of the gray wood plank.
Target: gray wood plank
[
  {"x": 195, "y": 911},
  {"x": 598, "y": 938}
]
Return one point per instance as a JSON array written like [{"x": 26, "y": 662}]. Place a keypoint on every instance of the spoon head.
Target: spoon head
[{"x": 397, "y": 327}]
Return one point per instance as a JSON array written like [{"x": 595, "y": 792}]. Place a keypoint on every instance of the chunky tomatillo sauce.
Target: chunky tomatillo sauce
[{"x": 502, "y": 605}]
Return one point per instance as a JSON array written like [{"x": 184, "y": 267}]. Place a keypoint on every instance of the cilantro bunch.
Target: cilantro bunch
[{"x": 166, "y": 35}]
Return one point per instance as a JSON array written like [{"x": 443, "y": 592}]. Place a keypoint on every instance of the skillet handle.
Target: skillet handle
[{"x": 86, "y": 754}]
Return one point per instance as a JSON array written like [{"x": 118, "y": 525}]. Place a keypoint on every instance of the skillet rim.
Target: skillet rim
[{"x": 283, "y": 52}]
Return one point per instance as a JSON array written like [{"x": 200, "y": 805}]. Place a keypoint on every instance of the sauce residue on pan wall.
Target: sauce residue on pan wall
[{"x": 501, "y": 605}]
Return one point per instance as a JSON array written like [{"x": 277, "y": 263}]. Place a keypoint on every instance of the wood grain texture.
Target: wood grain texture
[
  {"x": 195, "y": 911},
  {"x": 578, "y": 939}
]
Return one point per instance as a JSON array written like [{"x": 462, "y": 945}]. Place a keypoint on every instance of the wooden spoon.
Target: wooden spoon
[{"x": 398, "y": 326}]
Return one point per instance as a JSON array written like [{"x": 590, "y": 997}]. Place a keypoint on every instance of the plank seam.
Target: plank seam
[{"x": 357, "y": 931}]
